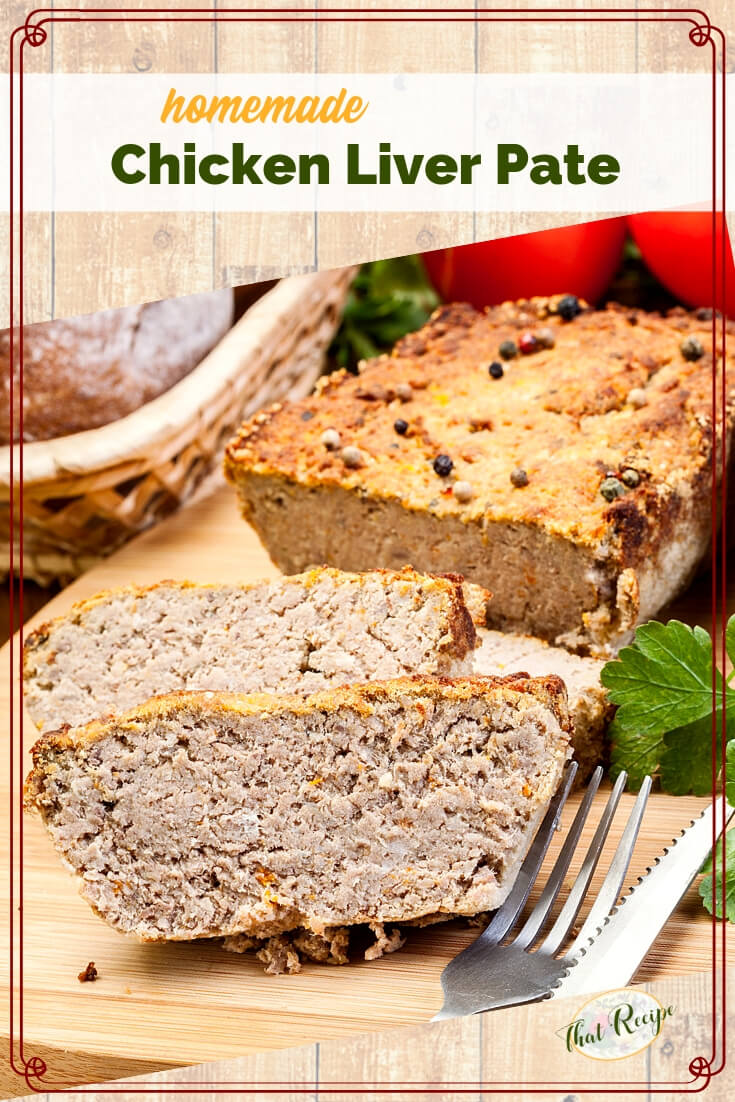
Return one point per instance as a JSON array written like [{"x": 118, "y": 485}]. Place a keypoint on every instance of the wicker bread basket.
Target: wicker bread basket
[{"x": 86, "y": 494}]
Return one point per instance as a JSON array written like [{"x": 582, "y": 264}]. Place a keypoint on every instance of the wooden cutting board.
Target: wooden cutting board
[{"x": 159, "y": 1006}]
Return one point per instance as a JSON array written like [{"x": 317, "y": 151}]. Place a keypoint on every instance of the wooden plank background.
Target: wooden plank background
[
  {"x": 521, "y": 1044},
  {"x": 76, "y": 263}
]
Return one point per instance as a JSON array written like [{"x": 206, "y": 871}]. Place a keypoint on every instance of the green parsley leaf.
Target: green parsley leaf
[
  {"x": 387, "y": 299},
  {"x": 663, "y": 681},
  {"x": 730, "y": 639},
  {"x": 662, "y": 685},
  {"x": 686, "y": 758},
  {"x": 705, "y": 888},
  {"x": 730, "y": 772},
  {"x": 638, "y": 756}
]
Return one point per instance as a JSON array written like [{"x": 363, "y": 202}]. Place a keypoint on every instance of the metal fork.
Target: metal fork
[{"x": 489, "y": 973}]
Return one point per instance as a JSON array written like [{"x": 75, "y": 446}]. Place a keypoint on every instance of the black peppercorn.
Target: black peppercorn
[
  {"x": 568, "y": 307},
  {"x": 400, "y": 426},
  {"x": 496, "y": 370},
  {"x": 519, "y": 478},
  {"x": 443, "y": 465},
  {"x": 507, "y": 350}
]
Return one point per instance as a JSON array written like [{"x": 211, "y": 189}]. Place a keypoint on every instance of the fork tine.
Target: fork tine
[
  {"x": 535, "y": 921},
  {"x": 612, "y": 884},
  {"x": 508, "y": 912},
  {"x": 560, "y": 930}
]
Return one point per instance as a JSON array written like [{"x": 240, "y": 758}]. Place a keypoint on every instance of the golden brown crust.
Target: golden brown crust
[
  {"x": 477, "y": 600},
  {"x": 549, "y": 690},
  {"x": 563, "y": 414}
]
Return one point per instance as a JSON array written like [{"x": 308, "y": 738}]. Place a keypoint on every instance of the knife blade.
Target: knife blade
[{"x": 613, "y": 955}]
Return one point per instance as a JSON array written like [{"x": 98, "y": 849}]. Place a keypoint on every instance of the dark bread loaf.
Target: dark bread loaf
[{"x": 84, "y": 372}]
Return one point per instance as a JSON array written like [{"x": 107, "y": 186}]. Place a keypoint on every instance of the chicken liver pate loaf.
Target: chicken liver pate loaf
[
  {"x": 558, "y": 455},
  {"x": 498, "y": 653},
  {"x": 201, "y": 815},
  {"x": 298, "y": 634}
]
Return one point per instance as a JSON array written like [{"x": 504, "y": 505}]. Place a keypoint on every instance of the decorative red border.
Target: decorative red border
[{"x": 33, "y": 33}]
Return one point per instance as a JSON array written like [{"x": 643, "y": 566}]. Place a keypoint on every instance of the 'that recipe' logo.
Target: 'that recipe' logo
[{"x": 615, "y": 1025}]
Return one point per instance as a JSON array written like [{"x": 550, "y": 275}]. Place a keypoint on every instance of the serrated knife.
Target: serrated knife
[{"x": 613, "y": 954}]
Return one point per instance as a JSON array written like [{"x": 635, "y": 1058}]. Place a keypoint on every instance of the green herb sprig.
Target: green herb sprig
[
  {"x": 387, "y": 299},
  {"x": 662, "y": 685},
  {"x": 725, "y": 856}
]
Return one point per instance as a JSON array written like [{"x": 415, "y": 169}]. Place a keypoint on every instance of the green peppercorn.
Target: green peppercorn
[
  {"x": 508, "y": 350},
  {"x": 519, "y": 478},
  {"x": 630, "y": 477},
  {"x": 691, "y": 348},
  {"x": 610, "y": 488}
]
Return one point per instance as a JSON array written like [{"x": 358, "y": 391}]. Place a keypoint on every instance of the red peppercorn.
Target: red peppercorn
[{"x": 528, "y": 343}]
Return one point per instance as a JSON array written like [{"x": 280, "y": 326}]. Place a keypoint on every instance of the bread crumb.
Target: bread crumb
[
  {"x": 89, "y": 975},
  {"x": 384, "y": 942}
]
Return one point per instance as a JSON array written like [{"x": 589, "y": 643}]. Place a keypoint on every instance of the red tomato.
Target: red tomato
[
  {"x": 677, "y": 247},
  {"x": 579, "y": 260}
]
